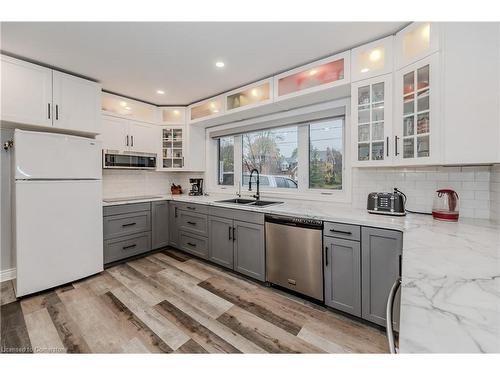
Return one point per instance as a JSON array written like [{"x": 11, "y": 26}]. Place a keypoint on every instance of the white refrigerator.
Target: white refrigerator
[{"x": 57, "y": 209}]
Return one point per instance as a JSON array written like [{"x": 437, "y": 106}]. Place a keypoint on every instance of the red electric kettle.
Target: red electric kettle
[{"x": 445, "y": 205}]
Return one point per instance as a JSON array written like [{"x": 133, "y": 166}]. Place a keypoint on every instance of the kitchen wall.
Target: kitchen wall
[
  {"x": 471, "y": 183},
  {"x": 495, "y": 192},
  {"x": 125, "y": 183}
]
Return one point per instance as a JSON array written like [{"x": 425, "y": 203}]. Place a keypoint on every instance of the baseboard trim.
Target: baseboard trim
[{"x": 7, "y": 274}]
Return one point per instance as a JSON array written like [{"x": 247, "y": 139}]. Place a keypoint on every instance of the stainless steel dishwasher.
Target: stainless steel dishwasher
[{"x": 294, "y": 254}]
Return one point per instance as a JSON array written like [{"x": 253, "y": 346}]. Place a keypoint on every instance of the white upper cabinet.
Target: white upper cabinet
[
  {"x": 129, "y": 108},
  {"x": 172, "y": 115},
  {"x": 416, "y": 41},
  {"x": 313, "y": 78},
  {"x": 76, "y": 103},
  {"x": 26, "y": 92},
  {"x": 36, "y": 96},
  {"x": 372, "y": 122},
  {"x": 372, "y": 59},
  {"x": 206, "y": 109},
  {"x": 417, "y": 123}
]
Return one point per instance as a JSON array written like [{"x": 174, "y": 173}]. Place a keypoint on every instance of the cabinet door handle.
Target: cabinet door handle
[
  {"x": 128, "y": 225},
  {"x": 341, "y": 232},
  {"x": 175, "y": 212},
  {"x": 48, "y": 110},
  {"x": 326, "y": 256},
  {"x": 229, "y": 233},
  {"x": 190, "y": 208},
  {"x": 132, "y": 141},
  {"x": 129, "y": 247},
  {"x": 396, "y": 138},
  {"x": 127, "y": 139},
  {"x": 387, "y": 146},
  {"x": 191, "y": 244},
  {"x": 191, "y": 222},
  {"x": 57, "y": 111},
  {"x": 234, "y": 234}
]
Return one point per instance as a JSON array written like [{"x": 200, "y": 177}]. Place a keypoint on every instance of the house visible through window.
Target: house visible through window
[
  {"x": 326, "y": 149},
  {"x": 273, "y": 152},
  {"x": 226, "y": 161}
]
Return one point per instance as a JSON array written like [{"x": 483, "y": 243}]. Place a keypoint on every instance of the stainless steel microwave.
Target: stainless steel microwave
[{"x": 119, "y": 160}]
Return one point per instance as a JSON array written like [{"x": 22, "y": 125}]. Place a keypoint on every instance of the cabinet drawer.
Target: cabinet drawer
[
  {"x": 237, "y": 214},
  {"x": 339, "y": 230},
  {"x": 192, "y": 207},
  {"x": 193, "y": 223},
  {"x": 126, "y": 208},
  {"x": 194, "y": 244},
  {"x": 125, "y": 224},
  {"x": 124, "y": 247}
]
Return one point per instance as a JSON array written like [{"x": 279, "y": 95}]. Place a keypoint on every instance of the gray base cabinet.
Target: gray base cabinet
[
  {"x": 193, "y": 244},
  {"x": 343, "y": 275},
  {"x": 380, "y": 264},
  {"x": 220, "y": 249},
  {"x": 173, "y": 224},
  {"x": 159, "y": 224},
  {"x": 249, "y": 250}
]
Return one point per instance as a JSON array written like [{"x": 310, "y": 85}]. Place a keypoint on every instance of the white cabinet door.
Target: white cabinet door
[
  {"x": 416, "y": 118},
  {"x": 26, "y": 93},
  {"x": 372, "y": 59},
  {"x": 114, "y": 135},
  {"x": 76, "y": 103},
  {"x": 372, "y": 122},
  {"x": 144, "y": 137}
]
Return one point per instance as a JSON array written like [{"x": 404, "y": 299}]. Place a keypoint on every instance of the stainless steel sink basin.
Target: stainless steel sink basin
[
  {"x": 237, "y": 201},
  {"x": 249, "y": 202}
]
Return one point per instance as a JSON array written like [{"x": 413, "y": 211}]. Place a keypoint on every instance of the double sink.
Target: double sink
[{"x": 249, "y": 202}]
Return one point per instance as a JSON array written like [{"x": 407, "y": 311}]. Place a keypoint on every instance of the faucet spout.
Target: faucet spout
[{"x": 257, "y": 195}]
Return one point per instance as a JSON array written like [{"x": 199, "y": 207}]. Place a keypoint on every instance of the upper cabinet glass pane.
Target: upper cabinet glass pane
[
  {"x": 173, "y": 115},
  {"x": 129, "y": 108},
  {"x": 249, "y": 96},
  {"x": 208, "y": 108},
  {"x": 371, "y": 60},
  {"x": 312, "y": 77},
  {"x": 417, "y": 41}
]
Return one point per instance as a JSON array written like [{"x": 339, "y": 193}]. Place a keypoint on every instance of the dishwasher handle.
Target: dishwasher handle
[{"x": 294, "y": 221}]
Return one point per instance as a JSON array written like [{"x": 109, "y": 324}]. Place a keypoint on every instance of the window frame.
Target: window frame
[
  {"x": 218, "y": 163},
  {"x": 302, "y": 191}
]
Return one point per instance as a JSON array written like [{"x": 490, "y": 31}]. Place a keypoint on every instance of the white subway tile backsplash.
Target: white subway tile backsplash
[{"x": 478, "y": 187}]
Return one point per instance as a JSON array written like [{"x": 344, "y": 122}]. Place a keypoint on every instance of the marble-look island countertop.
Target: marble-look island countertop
[{"x": 450, "y": 300}]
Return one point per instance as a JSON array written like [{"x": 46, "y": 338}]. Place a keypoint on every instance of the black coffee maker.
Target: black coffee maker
[{"x": 196, "y": 186}]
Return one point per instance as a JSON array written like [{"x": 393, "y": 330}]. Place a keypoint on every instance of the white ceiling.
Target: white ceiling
[{"x": 136, "y": 59}]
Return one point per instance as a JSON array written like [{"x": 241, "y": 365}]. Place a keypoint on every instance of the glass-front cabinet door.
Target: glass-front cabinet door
[
  {"x": 250, "y": 96},
  {"x": 172, "y": 148},
  {"x": 372, "y": 121},
  {"x": 206, "y": 109},
  {"x": 417, "y": 120},
  {"x": 418, "y": 40},
  {"x": 372, "y": 59}
]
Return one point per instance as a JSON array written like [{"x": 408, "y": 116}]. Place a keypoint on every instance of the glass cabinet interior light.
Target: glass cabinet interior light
[
  {"x": 417, "y": 41},
  {"x": 371, "y": 60}
]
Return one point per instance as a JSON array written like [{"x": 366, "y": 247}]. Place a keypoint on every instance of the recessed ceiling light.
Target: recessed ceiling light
[
  {"x": 160, "y": 92},
  {"x": 375, "y": 55},
  {"x": 313, "y": 72},
  {"x": 123, "y": 104},
  {"x": 364, "y": 70},
  {"x": 220, "y": 64}
]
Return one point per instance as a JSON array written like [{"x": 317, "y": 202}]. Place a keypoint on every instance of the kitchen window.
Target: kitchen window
[
  {"x": 274, "y": 153},
  {"x": 326, "y": 150},
  {"x": 225, "y": 147}
]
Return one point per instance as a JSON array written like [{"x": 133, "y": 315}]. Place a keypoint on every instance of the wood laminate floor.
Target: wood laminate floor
[{"x": 169, "y": 302}]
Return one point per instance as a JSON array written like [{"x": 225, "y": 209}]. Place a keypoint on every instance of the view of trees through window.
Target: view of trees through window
[
  {"x": 226, "y": 161},
  {"x": 273, "y": 152},
  {"x": 326, "y": 142}
]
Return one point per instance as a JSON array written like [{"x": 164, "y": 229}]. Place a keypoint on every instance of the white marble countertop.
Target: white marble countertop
[{"x": 450, "y": 300}]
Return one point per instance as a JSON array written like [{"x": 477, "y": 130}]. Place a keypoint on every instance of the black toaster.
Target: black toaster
[{"x": 387, "y": 203}]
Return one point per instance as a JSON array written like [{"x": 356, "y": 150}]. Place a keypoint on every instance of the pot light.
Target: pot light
[
  {"x": 123, "y": 104},
  {"x": 160, "y": 92},
  {"x": 220, "y": 64},
  {"x": 364, "y": 70},
  {"x": 313, "y": 72},
  {"x": 375, "y": 55}
]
